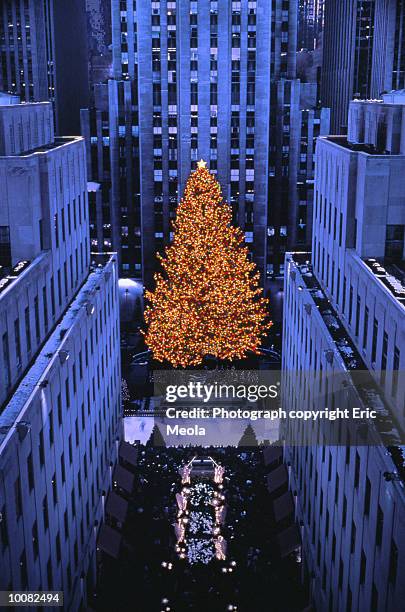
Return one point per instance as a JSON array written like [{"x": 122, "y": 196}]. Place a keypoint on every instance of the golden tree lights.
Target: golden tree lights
[{"x": 208, "y": 300}]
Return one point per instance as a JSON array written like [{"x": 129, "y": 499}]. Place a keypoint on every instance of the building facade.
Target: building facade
[
  {"x": 60, "y": 416},
  {"x": 39, "y": 61},
  {"x": 347, "y": 56},
  {"x": 99, "y": 41},
  {"x": 310, "y": 24},
  {"x": 344, "y": 317},
  {"x": 388, "y": 70},
  {"x": 111, "y": 134},
  {"x": 364, "y": 53},
  {"x": 198, "y": 80},
  {"x": 296, "y": 121}
]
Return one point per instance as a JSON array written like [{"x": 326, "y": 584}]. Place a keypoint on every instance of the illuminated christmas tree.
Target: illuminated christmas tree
[{"x": 208, "y": 300}]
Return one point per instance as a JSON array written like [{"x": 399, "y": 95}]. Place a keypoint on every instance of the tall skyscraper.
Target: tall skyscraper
[
  {"x": 43, "y": 56},
  {"x": 194, "y": 80},
  {"x": 389, "y": 47},
  {"x": 344, "y": 322},
  {"x": 179, "y": 57},
  {"x": 111, "y": 133},
  {"x": 347, "y": 56},
  {"x": 99, "y": 41},
  {"x": 60, "y": 414},
  {"x": 295, "y": 123},
  {"x": 310, "y": 23}
]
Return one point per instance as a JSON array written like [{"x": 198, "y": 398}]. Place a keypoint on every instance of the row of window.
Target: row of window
[{"x": 92, "y": 440}]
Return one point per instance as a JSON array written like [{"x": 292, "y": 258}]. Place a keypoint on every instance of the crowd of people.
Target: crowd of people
[{"x": 149, "y": 576}]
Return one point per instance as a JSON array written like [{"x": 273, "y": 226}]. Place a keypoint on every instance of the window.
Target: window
[
  {"x": 54, "y": 489},
  {"x": 49, "y": 574},
  {"x": 41, "y": 449},
  {"x": 30, "y": 470},
  {"x": 69, "y": 216},
  {"x": 45, "y": 304},
  {"x": 367, "y": 497},
  {"x": 23, "y": 570},
  {"x": 358, "y": 309},
  {"x": 374, "y": 598},
  {"x": 28, "y": 329},
  {"x": 6, "y": 360},
  {"x": 363, "y": 567},
  {"x": 395, "y": 374},
  {"x": 58, "y": 548},
  {"x": 73, "y": 499},
  {"x": 394, "y": 242},
  {"x": 59, "y": 288},
  {"x": 353, "y": 538},
  {"x": 56, "y": 229},
  {"x": 69, "y": 576},
  {"x": 5, "y": 246},
  {"x": 365, "y": 327},
  {"x": 379, "y": 526},
  {"x": 344, "y": 295},
  {"x": 34, "y": 533},
  {"x": 51, "y": 428},
  {"x": 41, "y": 234},
  {"x": 62, "y": 467},
  {"x": 63, "y": 225},
  {"x": 65, "y": 277},
  {"x": 384, "y": 358},
  {"x": 67, "y": 393},
  {"x": 349, "y": 600},
  {"x": 357, "y": 470},
  {"x": 59, "y": 403},
  {"x": 324, "y": 573},
  {"x": 17, "y": 342},
  {"x": 340, "y": 574},
  {"x": 375, "y": 338},
  {"x": 37, "y": 323},
  {"x": 344, "y": 512},
  {"x": 3, "y": 528},
  {"x": 18, "y": 497},
  {"x": 53, "y": 296},
  {"x": 392, "y": 576}
]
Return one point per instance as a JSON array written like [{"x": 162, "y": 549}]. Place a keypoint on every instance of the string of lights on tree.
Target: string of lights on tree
[{"x": 208, "y": 300}]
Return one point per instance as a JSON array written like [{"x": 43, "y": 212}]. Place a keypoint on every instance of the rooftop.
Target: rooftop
[
  {"x": 7, "y": 281},
  {"x": 7, "y": 99},
  {"x": 392, "y": 276},
  {"x": 357, "y": 147},
  {"x": 395, "y": 96},
  {"x": 58, "y": 142}
]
